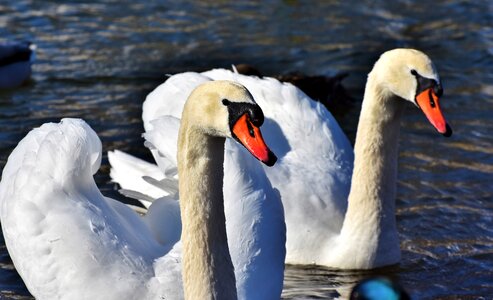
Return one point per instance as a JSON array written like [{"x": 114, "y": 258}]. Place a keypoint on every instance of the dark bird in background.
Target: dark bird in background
[
  {"x": 328, "y": 90},
  {"x": 15, "y": 63}
]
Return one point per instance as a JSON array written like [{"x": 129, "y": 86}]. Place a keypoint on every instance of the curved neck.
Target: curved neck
[
  {"x": 208, "y": 272},
  {"x": 370, "y": 217}
]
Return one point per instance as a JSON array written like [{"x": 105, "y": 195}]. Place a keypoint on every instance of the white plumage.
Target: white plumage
[
  {"x": 315, "y": 158},
  {"x": 314, "y": 170},
  {"x": 66, "y": 239},
  {"x": 69, "y": 241}
]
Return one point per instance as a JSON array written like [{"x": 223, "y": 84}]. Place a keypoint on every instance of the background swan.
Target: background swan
[
  {"x": 315, "y": 164},
  {"x": 64, "y": 236}
]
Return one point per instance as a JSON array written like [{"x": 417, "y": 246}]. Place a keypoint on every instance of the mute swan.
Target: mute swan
[
  {"x": 68, "y": 241},
  {"x": 313, "y": 174},
  {"x": 15, "y": 63},
  {"x": 252, "y": 207}
]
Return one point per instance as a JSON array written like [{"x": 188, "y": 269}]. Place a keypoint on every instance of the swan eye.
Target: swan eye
[
  {"x": 414, "y": 72},
  {"x": 226, "y": 102}
]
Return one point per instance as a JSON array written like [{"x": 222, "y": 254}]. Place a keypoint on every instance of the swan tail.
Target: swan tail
[
  {"x": 162, "y": 140},
  {"x": 169, "y": 185},
  {"x": 137, "y": 196},
  {"x": 132, "y": 174}
]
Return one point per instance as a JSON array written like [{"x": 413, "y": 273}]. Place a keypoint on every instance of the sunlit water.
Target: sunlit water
[{"x": 98, "y": 61}]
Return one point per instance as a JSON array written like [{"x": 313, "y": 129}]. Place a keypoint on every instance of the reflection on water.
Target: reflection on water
[{"x": 98, "y": 61}]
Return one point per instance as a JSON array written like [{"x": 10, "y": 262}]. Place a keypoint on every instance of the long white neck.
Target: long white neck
[
  {"x": 208, "y": 272},
  {"x": 370, "y": 217}
]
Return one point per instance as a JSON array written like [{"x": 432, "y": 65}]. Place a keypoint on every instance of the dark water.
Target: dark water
[{"x": 97, "y": 61}]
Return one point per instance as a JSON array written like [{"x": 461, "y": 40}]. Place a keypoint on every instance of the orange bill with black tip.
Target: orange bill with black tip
[
  {"x": 428, "y": 101},
  {"x": 250, "y": 136}
]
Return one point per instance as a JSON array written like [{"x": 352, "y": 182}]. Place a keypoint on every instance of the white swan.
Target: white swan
[
  {"x": 254, "y": 212},
  {"x": 68, "y": 241},
  {"x": 15, "y": 63},
  {"x": 315, "y": 164}
]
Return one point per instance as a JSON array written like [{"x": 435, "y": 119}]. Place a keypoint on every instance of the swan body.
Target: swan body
[
  {"x": 15, "y": 63},
  {"x": 62, "y": 234},
  {"x": 335, "y": 216},
  {"x": 68, "y": 241}
]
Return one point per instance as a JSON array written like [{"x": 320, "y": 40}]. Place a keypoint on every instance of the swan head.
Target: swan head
[
  {"x": 411, "y": 75},
  {"x": 227, "y": 109}
]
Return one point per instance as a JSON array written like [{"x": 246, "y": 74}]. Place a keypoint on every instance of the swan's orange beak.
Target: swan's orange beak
[
  {"x": 428, "y": 101},
  {"x": 250, "y": 136}
]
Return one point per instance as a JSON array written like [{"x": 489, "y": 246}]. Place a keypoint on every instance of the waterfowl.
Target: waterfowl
[
  {"x": 69, "y": 241},
  {"x": 252, "y": 207},
  {"x": 15, "y": 63},
  {"x": 336, "y": 215},
  {"x": 378, "y": 288}
]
